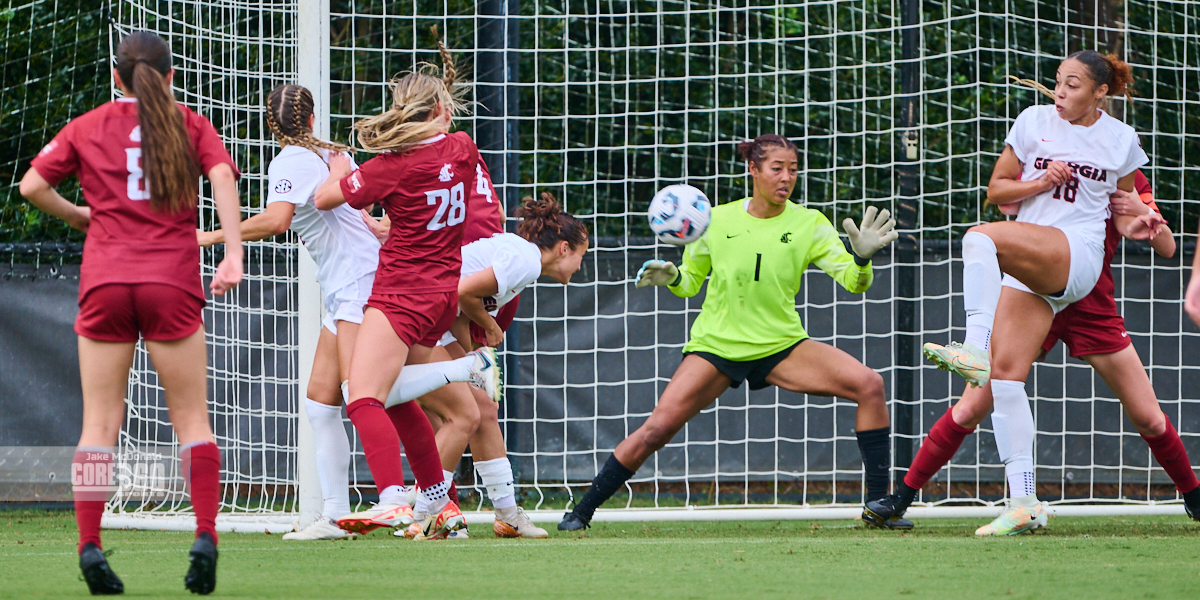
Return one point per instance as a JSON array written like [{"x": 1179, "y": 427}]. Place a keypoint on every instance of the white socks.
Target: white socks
[
  {"x": 393, "y": 494},
  {"x": 497, "y": 477},
  {"x": 417, "y": 380},
  {"x": 1012, "y": 421},
  {"x": 333, "y": 457},
  {"x": 981, "y": 287}
]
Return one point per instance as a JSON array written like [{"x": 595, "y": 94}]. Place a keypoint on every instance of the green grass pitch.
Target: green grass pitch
[{"x": 1127, "y": 557}]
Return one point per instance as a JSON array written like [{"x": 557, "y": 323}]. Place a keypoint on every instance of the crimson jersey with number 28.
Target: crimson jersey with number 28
[
  {"x": 424, "y": 192},
  {"x": 127, "y": 241}
]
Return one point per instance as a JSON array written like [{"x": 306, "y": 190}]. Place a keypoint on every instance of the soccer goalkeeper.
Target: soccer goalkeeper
[{"x": 748, "y": 329}]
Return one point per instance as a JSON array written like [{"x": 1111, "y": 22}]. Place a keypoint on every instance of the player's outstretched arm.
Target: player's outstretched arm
[
  {"x": 41, "y": 194},
  {"x": 229, "y": 213},
  {"x": 269, "y": 223},
  {"x": 1125, "y": 205}
]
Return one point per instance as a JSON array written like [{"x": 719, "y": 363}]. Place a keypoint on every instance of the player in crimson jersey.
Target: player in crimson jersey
[
  {"x": 496, "y": 268},
  {"x": 421, "y": 179},
  {"x": 1093, "y": 330},
  {"x": 139, "y": 160},
  {"x": 346, "y": 252}
]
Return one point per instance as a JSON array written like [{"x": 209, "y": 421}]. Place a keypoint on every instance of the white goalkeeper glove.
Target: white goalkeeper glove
[
  {"x": 875, "y": 232},
  {"x": 657, "y": 272}
]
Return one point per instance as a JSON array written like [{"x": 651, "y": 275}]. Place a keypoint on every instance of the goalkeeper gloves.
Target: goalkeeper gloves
[
  {"x": 876, "y": 231},
  {"x": 657, "y": 272}
]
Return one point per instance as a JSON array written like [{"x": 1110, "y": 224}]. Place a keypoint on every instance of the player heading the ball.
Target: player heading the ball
[
  {"x": 757, "y": 250},
  {"x": 139, "y": 159}
]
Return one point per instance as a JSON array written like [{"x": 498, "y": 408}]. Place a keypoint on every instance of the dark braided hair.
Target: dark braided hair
[
  {"x": 544, "y": 223},
  {"x": 288, "y": 110},
  {"x": 754, "y": 151}
]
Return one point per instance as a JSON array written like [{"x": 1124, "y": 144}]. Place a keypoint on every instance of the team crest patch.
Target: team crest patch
[
  {"x": 445, "y": 175},
  {"x": 284, "y": 186}
]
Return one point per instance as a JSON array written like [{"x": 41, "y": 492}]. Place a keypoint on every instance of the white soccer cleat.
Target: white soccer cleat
[
  {"x": 512, "y": 522},
  {"x": 323, "y": 528},
  {"x": 460, "y": 534},
  {"x": 1017, "y": 519},
  {"x": 485, "y": 373},
  {"x": 964, "y": 359}
]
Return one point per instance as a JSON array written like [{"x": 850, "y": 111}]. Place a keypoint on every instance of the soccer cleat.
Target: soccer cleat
[
  {"x": 201, "y": 577},
  {"x": 1015, "y": 520},
  {"x": 485, "y": 373},
  {"x": 461, "y": 534},
  {"x": 323, "y": 528},
  {"x": 379, "y": 515},
  {"x": 514, "y": 523},
  {"x": 437, "y": 527},
  {"x": 409, "y": 532},
  {"x": 573, "y": 522},
  {"x": 965, "y": 360},
  {"x": 100, "y": 579},
  {"x": 886, "y": 513},
  {"x": 1191, "y": 504}
]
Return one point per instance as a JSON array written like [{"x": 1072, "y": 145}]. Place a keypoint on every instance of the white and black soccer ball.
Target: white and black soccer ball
[{"x": 679, "y": 214}]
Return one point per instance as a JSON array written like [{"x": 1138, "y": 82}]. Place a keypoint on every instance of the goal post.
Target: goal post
[{"x": 604, "y": 103}]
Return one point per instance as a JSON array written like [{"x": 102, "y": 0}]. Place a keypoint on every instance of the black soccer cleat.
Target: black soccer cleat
[
  {"x": 101, "y": 580},
  {"x": 573, "y": 522},
  {"x": 201, "y": 577},
  {"x": 886, "y": 513},
  {"x": 1191, "y": 504}
]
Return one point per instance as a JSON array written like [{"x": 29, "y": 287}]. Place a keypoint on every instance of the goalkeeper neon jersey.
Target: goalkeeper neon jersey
[{"x": 749, "y": 311}]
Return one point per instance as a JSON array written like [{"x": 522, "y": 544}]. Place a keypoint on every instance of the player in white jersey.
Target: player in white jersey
[
  {"x": 347, "y": 254},
  {"x": 1062, "y": 163}
]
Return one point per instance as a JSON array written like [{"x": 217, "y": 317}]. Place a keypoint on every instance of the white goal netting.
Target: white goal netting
[{"x": 604, "y": 102}]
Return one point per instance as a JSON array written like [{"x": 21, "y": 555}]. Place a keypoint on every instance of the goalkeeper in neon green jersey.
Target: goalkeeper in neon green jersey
[{"x": 757, "y": 250}]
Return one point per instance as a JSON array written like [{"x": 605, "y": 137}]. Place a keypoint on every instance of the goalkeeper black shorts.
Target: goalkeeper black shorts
[{"x": 754, "y": 371}]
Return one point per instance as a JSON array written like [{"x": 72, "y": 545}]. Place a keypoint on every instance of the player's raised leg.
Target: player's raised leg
[{"x": 695, "y": 384}]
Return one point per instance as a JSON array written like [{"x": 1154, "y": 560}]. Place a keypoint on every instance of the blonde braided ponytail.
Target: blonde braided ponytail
[{"x": 413, "y": 115}]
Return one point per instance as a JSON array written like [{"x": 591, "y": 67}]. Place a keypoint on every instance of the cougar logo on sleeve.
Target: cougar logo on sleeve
[
  {"x": 49, "y": 148},
  {"x": 284, "y": 186},
  {"x": 445, "y": 175},
  {"x": 356, "y": 181}
]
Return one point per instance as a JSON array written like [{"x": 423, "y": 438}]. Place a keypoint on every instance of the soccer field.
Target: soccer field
[{"x": 1122, "y": 557}]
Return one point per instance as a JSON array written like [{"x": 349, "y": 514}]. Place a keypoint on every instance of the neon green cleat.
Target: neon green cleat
[
  {"x": 1016, "y": 520},
  {"x": 963, "y": 359}
]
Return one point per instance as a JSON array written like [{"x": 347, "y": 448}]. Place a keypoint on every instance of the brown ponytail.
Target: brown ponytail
[
  {"x": 1107, "y": 69},
  {"x": 169, "y": 164},
  {"x": 288, "y": 110},
  {"x": 544, "y": 223}
]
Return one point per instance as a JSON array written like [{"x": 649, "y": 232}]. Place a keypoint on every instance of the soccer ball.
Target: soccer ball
[{"x": 679, "y": 214}]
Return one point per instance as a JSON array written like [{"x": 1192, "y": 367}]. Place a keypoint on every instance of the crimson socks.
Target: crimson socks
[
  {"x": 939, "y": 447},
  {"x": 202, "y": 471},
  {"x": 410, "y": 422},
  {"x": 1168, "y": 450},
  {"x": 379, "y": 442},
  {"x": 91, "y": 482}
]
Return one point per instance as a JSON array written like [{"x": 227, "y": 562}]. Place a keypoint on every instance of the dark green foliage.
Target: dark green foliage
[{"x": 54, "y": 69}]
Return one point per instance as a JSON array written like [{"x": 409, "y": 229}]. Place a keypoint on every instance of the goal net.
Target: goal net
[{"x": 604, "y": 102}]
